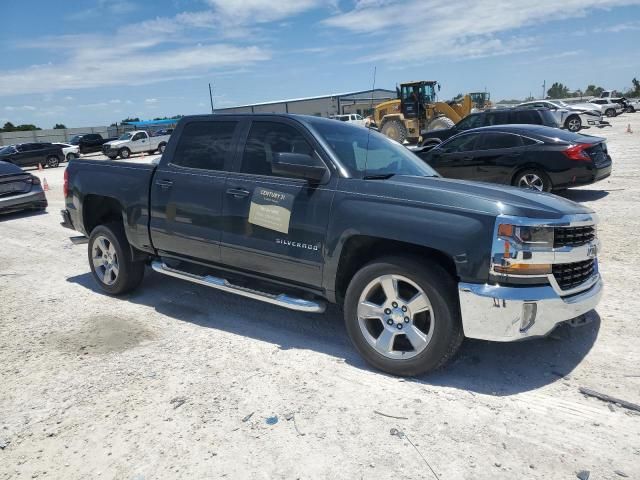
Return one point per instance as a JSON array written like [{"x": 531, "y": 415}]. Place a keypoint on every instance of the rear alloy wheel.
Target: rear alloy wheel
[
  {"x": 573, "y": 123},
  {"x": 110, "y": 260},
  {"x": 402, "y": 315},
  {"x": 395, "y": 130},
  {"x": 124, "y": 152},
  {"x": 71, "y": 156},
  {"x": 161, "y": 147},
  {"x": 53, "y": 161},
  {"x": 533, "y": 180},
  {"x": 610, "y": 112}
]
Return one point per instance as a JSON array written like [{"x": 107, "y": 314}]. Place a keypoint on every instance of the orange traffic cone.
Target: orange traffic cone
[
  {"x": 629, "y": 128},
  {"x": 40, "y": 169},
  {"x": 45, "y": 185}
]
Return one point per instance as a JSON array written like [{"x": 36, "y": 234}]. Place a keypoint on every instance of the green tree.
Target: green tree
[
  {"x": 126, "y": 120},
  {"x": 593, "y": 91},
  {"x": 59, "y": 126},
  {"x": 8, "y": 127},
  {"x": 558, "y": 90}
]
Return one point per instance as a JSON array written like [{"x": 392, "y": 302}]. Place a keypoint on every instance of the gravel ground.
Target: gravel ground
[{"x": 180, "y": 381}]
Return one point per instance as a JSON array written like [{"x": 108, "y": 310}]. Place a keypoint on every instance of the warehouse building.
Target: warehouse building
[{"x": 321, "y": 106}]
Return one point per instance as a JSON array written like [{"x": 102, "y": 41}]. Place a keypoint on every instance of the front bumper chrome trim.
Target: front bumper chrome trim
[{"x": 505, "y": 314}]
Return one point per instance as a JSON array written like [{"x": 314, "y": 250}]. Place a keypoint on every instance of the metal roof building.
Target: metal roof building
[{"x": 321, "y": 106}]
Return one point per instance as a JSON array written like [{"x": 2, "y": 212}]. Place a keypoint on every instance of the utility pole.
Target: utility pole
[
  {"x": 544, "y": 90},
  {"x": 211, "y": 97}
]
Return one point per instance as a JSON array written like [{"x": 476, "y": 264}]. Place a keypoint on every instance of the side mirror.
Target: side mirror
[{"x": 299, "y": 165}]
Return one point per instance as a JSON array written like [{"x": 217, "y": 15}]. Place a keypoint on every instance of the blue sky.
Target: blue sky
[{"x": 94, "y": 62}]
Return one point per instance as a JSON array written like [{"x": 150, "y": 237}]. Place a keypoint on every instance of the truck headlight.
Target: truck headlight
[{"x": 531, "y": 236}]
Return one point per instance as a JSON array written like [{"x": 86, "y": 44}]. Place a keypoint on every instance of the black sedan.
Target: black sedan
[
  {"x": 528, "y": 156},
  {"x": 19, "y": 190}
]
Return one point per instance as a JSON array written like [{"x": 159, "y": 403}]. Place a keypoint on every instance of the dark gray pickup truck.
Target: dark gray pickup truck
[{"x": 298, "y": 211}]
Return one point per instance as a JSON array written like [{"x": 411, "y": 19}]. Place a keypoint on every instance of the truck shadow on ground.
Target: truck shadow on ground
[
  {"x": 584, "y": 195},
  {"x": 484, "y": 367}
]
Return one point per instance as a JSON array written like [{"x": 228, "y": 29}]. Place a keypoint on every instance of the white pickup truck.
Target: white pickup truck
[{"x": 137, "y": 141}]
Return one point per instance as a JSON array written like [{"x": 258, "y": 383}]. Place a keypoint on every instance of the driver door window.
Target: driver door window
[{"x": 267, "y": 138}]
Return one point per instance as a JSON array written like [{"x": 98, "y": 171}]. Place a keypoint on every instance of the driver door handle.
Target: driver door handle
[{"x": 238, "y": 192}]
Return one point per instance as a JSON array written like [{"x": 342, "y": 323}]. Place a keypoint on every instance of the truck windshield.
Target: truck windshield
[
  {"x": 385, "y": 157},
  {"x": 125, "y": 136}
]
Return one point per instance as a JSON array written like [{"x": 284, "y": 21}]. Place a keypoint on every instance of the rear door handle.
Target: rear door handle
[
  {"x": 164, "y": 184},
  {"x": 238, "y": 192}
]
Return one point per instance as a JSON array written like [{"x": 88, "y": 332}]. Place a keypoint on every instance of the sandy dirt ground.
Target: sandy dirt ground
[{"x": 180, "y": 381}]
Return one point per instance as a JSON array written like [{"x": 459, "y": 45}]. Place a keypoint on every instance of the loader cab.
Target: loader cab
[{"x": 414, "y": 97}]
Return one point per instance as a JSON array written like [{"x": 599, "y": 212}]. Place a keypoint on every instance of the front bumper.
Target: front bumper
[{"x": 505, "y": 314}]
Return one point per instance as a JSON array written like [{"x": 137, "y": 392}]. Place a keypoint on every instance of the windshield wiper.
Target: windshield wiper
[{"x": 381, "y": 176}]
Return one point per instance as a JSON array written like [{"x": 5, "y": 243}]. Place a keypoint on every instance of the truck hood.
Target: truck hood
[
  {"x": 116, "y": 143},
  {"x": 489, "y": 198}
]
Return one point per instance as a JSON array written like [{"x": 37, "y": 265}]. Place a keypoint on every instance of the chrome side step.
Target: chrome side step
[
  {"x": 79, "y": 240},
  {"x": 281, "y": 300}
]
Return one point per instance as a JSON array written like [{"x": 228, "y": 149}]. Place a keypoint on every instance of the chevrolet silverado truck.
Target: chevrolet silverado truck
[
  {"x": 301, "y": 211},
  {"x": 137, "y": 141}
]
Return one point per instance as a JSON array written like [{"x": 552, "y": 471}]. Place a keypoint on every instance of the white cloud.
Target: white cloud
[
  {"x": 86, "y": 70},
  {"x": 415, "y": 30},
  {"x": 29, "y": 108},
  {"x": 260, "y": 11},
  {"x": 151, "y": 100}
]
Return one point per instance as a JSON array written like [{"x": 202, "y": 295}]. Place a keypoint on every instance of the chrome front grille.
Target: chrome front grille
[
  {"x": 572, "y": 275},
  {"x": 573, "y": 236}
]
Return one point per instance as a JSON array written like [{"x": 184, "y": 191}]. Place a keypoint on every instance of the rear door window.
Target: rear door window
[
  {"x": 472, "y": 121},
  {"x": 497, "y": 141},
  {"x": 205, "y": 145},
  {"x": 531, "y": 117},
  {"x": 463, "y": 143},
  {"x": 497, "y": 118}
]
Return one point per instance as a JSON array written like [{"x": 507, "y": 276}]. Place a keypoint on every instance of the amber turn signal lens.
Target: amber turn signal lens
[
  {"x": 505, "y": 230},
  {"x": 524, "y": 269}
]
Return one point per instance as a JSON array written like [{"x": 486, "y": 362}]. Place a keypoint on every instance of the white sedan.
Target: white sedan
[{"x": 70, "y": 151}]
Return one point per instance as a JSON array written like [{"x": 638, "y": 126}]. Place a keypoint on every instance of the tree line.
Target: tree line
[{"x": 559, "y": 90}]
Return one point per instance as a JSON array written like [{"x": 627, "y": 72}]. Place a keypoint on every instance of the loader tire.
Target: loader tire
[{"x": 395, "y": 130}]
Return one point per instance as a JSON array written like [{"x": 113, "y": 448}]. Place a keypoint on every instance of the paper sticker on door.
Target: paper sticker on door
[{"x": 271, "y": 209}]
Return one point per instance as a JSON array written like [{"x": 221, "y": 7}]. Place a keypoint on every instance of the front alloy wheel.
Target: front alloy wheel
[
  {"x": 395, "y": 317},
  {"x": 574, "y": 124}
]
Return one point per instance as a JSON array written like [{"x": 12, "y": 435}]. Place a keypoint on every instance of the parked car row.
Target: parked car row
[{"x": 33, "y": 154}]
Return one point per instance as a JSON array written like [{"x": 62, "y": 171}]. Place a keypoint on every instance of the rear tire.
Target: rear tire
[
  {"x": 161, "y": 147},
  {"x": 124, "y": 152},
  {"x": 418, "y": 321},
  {"x": 610, "y": 112},
  {"x": 440, "y": 123},
  {"x": 573, "y": 123},
  {"x": 52, "y": 161},
  {"x": 533, "y": 179},
  {"x": 395, "y": 130},
  {"x": 111, "y": 261}
]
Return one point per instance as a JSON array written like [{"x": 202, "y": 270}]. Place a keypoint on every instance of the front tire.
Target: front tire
[
  {"x": 395, "y": 130},
  {"x": 52, "y": 161},
  {"x": 533, "y": 179},
  {"x": 402, "y": 314},
  {"x": 610, "y": 112},
  {"x": 124, "y": 152},
  {"x": 573, "y": 123},
  {"x": 110, "y": 260}
]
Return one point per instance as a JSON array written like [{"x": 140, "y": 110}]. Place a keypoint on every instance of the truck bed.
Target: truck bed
[{"x": 107, "y": 180}]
